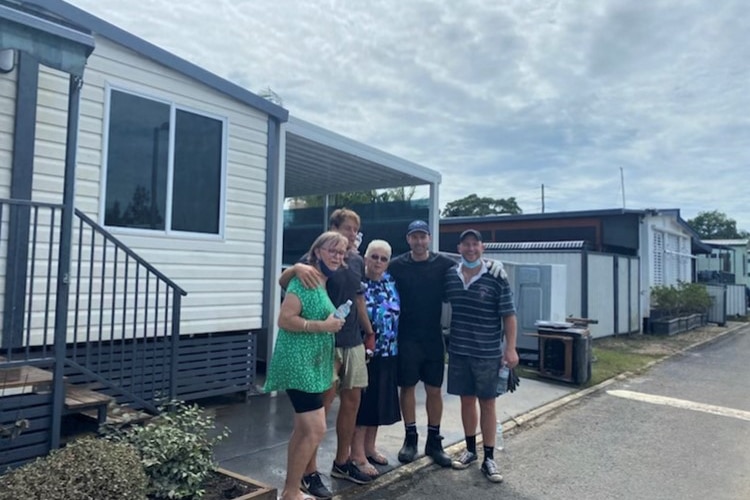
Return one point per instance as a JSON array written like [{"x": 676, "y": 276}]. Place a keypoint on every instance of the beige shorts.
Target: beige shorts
[{"x": 352, "y": 367}]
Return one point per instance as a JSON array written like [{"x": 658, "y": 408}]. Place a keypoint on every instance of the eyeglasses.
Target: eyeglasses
[
  {"x": 336, "y": 252},
  {"x": 381, "y": 258}
]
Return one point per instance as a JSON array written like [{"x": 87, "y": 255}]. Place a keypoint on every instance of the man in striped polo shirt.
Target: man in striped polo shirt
[{"x": 482, "y": 315}]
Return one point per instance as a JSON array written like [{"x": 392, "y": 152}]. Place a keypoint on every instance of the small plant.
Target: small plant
[
  {"x": 665, "y": 298},
  {"x": 685, "y": 298},
  {"x": 86, "y": 469},
  {"x": 176, "y": 450},
  {"x": 694, "y": 298}
]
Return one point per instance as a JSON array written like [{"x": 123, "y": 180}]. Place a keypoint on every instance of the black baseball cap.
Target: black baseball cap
[{"x": 470, "y": 232}]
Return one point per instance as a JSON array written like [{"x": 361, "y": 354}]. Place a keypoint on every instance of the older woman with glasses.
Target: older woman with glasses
[
  {"x": 379, "y": 404},
  {"x": 302, "y": 362}
]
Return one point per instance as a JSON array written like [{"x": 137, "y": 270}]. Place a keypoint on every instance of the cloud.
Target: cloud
[{"x": 500, "y": 97}]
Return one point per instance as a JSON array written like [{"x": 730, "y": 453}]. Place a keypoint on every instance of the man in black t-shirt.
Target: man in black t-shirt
[{"x": 420, "y": 280}]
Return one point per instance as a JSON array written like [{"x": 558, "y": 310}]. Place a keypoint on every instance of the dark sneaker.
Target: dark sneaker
[
  {"x": 350, "y": 472},
  {"x": 408, "y": 451},
  {"x": 434, "y": 450},
  {"x": 465, "y": 460},
  {"x": 489, "y": 469},
  {"x": 312, "y": 484}
]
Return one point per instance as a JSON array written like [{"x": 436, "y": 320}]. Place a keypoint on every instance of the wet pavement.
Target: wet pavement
[{"x": 261, "y": 426}]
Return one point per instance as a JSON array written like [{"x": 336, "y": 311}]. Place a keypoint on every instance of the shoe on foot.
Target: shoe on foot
[
  {"x": 408, "y": 451},
  {"x": 350, "y": 472},
  {"x": 312, "y": 484},
  {"x": 465, "y": 460},
  {"x": 489, "y": 469},
  {"x": 434, "y": 450}
]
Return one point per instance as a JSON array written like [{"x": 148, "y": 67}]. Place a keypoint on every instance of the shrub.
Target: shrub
[
  {"x": 666, "y": 299},
  {"x": 685, "y": 298},
  {"x": 694, "y": 298},
  {"x": 86, "y": 469},
  {"x": 176, "y": 450}
]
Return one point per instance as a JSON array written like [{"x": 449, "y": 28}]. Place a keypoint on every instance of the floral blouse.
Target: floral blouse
[{"x": 383, "y": 308}]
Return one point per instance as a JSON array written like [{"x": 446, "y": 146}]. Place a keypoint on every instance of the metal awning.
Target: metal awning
[
  {"x": 319, "y": 161},
  {"x": 51, "y": 43}
]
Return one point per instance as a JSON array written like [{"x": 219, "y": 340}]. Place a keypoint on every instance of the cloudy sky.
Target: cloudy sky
[{"x": 500, "y": 96}]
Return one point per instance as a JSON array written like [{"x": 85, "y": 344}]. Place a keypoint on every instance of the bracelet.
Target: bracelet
[{"x": 304, "y": 327}]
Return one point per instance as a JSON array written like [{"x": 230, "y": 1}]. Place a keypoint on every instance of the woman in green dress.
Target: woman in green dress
[{"x": 302, "y": 362}]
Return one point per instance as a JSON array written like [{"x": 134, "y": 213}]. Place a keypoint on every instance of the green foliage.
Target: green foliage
[
  {"x": 176, "y": 450},
  {"x": 685, "y": 298},
  {"x": 715, "y": 225},
  {"x": 357, "y": 197},
  {"x": 86, "y": 469},
  {"x": 473, "y": 205},
  {"x": 694, "y": 298}
]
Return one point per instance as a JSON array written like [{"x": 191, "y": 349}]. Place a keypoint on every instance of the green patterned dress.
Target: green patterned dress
[{"x": 304, "y": 360}]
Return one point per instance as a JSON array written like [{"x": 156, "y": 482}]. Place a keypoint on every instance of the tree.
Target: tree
[
  {"x": 715, "y": 225},
  {"x": 356, "y": 197},
  {"x": 474, "y": 205}
]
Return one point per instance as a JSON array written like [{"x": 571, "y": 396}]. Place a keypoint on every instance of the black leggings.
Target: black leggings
[{"x": 305, "y": 401}]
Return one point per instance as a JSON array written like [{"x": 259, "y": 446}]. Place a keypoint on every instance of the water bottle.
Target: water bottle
[
  {"x": 343, "y": 311},
  {"x": 502, "y": 379}
]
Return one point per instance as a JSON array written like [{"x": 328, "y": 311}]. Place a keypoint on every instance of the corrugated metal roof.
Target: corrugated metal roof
[
  {"x": 536, "y": 245},
  {"x": 319, "y": 161}
]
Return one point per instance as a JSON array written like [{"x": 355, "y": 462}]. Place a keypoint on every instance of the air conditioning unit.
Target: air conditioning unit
[{"x": 539, "y": 292}]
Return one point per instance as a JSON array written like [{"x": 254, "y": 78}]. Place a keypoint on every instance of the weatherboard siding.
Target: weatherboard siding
[
  {"x": 7, "y": 114},
  {"x": 223, "y": 275}
]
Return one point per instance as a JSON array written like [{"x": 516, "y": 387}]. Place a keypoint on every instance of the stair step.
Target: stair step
[
  {"x": 23, "y": 380},
  {"x": 79, "y": 400},
  {"x": 120, "y": 415}
]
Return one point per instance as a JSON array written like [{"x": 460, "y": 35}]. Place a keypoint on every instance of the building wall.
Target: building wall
[
  {"x": 665, "y": 255},
  {"x": 223, "y": 275},
  {"x": 7, "y": 113},
  {"x": 739, "y": 261}
]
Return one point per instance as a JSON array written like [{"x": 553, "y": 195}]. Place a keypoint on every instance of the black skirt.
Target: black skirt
[{"x": 379, "y": 404}]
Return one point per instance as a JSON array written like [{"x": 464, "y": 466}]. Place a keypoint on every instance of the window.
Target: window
[{"x": 164, "y": 167}]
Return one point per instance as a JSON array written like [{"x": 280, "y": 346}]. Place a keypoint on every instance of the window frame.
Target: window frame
[{"x": 174, "y": 106}]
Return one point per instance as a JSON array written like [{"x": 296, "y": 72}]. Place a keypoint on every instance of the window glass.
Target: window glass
[
  {"x": 139, "y": 169},
  {"x": 137, "y": 162},
  {"x": 196, "y": 190}
]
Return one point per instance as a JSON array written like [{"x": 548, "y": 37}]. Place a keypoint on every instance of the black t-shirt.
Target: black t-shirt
[
  {"x": 345, "y": 284},
  {"x": 420, "y": 285}
]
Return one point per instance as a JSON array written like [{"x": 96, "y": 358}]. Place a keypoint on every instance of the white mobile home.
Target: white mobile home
[{"x": 140, "y": 207}]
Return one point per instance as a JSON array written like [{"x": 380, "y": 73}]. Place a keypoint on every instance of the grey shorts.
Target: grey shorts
[
  {"x": 351, "y": 363},
  {"x": 469, "y": 376}
]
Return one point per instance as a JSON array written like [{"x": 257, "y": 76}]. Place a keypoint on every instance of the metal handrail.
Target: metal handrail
[{"x": 122, "y": 246}]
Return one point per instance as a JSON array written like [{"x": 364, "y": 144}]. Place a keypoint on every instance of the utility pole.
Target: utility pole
[
  {"x": 622, "y": 184},
  {"x": 542, "y": 198}
]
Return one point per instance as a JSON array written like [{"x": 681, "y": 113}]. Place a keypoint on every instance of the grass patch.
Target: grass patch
[{"x": 609, "y": 363}]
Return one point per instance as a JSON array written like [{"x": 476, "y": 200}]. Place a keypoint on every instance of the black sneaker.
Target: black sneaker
[
  {"x": 408, "y": 451},
  {"x": 465, "y": 460},
  {"x": 489, "y": 469},
  {"x": 312, "y": 484},
  {"x": 350, "y": 472}
]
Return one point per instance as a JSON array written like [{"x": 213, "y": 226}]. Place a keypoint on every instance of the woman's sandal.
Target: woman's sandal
[
  {"x": 369, "y": 469},
  {"x": 377, "y": 459}
]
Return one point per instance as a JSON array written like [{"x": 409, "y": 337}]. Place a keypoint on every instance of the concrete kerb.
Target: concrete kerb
[{"x": 522, "y": 420}]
